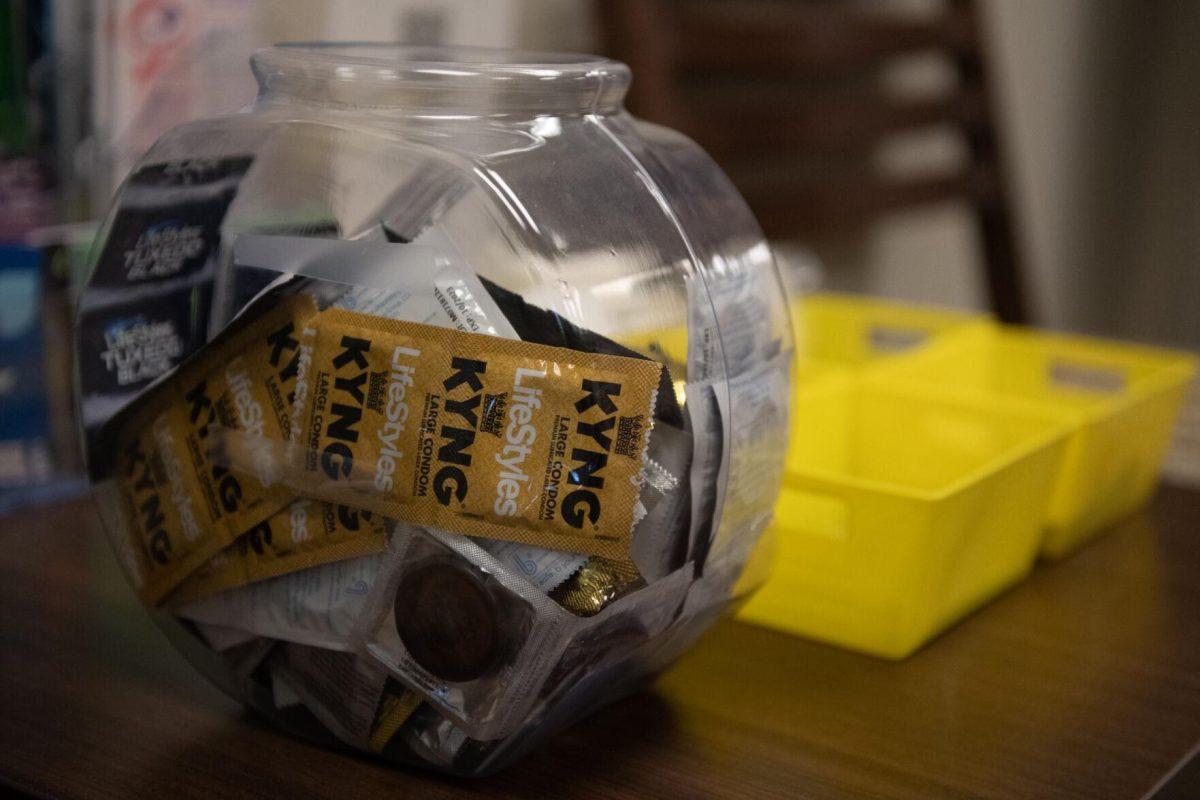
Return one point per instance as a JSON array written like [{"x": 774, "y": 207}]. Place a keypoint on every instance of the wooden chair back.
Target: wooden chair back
[{"x": 788, "y": 97}]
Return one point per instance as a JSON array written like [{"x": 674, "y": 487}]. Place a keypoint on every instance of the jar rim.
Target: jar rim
[{"x": 362, "y": 73}]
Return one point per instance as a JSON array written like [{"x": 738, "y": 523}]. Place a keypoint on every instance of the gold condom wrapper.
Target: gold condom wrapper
[
  {"x": 161, "y": 498},
  {"x": 597, "y": 583},
  {"x": 238, "y": 388},
  {"x": 395, "y": 707},
  {"x": 306, "y": 534},
  {"x": 230, "y": 386},
  {"x": 473, "y": 434}
]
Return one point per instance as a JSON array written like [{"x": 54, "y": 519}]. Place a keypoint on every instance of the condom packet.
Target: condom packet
[
  {"x": 317, "y": 607},
  {"x": 404, "y": 419},
  {"x": 183, "y": 504},
  {"x": 342, "y": 689},
  {"x": 755, "y": 408},
  {"x": 660, "y": 538},
  {"x": 304, "y": 535},
  {"x": 449, "y": 622},
  {"x": 221, "y": 638},
  {"x": 396, "y": 706},
  {"x": 156, "y": 267}
]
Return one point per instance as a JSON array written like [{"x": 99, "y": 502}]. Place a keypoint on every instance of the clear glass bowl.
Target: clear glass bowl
[{"x": 589, "y": 231}]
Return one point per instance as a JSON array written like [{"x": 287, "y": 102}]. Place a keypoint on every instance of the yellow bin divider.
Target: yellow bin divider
[
  {"x": 844, "y": 333},
  {"x": 838, "y": 331},
  {"x": 849, "y": 331},
  {"x": 901, "y": 511},
  {"x": 1119, "y": 399}
]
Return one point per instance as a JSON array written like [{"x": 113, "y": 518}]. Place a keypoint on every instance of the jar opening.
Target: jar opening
[{"x": 428, "y": 79}]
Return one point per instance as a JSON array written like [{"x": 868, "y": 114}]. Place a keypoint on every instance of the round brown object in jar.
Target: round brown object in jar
[{"x": 448, "y": 621}]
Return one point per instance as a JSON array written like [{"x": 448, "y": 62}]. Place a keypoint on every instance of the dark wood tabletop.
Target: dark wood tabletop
[{"x": 1082, "y": 682}]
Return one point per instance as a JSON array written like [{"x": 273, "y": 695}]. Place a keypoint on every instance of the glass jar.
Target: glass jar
[{"x": 477, "y": 192}]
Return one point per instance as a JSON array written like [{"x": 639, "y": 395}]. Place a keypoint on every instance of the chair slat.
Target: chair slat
[
  {"x": 731, "y": 128},
  {"x": 802, "y": 36},
  {"x": 788, "y": 207}
]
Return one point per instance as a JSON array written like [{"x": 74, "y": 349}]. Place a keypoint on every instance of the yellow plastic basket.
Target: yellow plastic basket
[
  {"x": 901, "y": 512},
  {"x": 1119, "y": 399}
]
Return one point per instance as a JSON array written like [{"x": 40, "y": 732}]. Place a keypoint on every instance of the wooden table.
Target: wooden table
[{"x": 1082, "y": 682}]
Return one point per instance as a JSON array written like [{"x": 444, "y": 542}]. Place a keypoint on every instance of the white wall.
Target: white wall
[{"x": 1101, "y": 114}]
